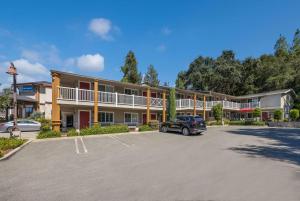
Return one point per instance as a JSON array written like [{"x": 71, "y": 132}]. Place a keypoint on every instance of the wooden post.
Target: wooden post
[
  {"x": 164, "y": 107},
  {"x": 204, "y": 106},
  {"x": 148, "y": 105},
  {"x": 55, "y": 105},
  {"x": 96, "y": 102},
  {"x": 195, "y": 102},
  {"x": 37, "y": 98}
]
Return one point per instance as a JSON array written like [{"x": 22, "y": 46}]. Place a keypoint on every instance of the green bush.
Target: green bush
[
  {"x": 294, "y": 114},
  {"x": 143, "y": 128},
  {"x": 278, "y": 114},
  {"x": 9, "y": 143},
  {"x": 256, "y": 113},
  {"x": 217, "y": 112},
  {"x": 45, "y": 128},
  {"x": 48, "y": 134},
  {"x": 247, "y": 123},
  {"x": 214, "y": 123},
  {"x": 72, "y": 132},
  {"x": 154, "y": 124},
  {"x": 97, "y": 130}
]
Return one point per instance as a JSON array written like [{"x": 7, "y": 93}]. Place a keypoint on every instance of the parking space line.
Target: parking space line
[
  {"x": 119, "y": 140},
  {"x": 83, "y": 145},
  {"x": 76, "y": 146}
]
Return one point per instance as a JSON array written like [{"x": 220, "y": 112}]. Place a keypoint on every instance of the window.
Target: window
[
  {"x": 131, "y": 91},
  {"x": 131, "y": 117},
  {"x": 106, "y": 117},
  {"x": 106, "y": 88}
]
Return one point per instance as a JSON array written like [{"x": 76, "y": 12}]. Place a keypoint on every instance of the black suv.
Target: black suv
[{"x": 185, "y": 124}]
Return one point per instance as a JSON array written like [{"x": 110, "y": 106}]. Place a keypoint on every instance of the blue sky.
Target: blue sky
[{"x": 93, "y": 37}]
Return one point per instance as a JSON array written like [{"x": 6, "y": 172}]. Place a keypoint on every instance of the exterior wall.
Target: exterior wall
[{"x": 273, "y": 101}]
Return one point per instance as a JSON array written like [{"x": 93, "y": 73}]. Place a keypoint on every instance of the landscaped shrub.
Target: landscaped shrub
[
  {"x": 247, "y": 123},
  {"x": 72, "y": 132},
  {"x": 217, "y": 111},
  {"x": 213, "y": 123},
  {"x": 45, "y": 128},
  {"x": 9, "y": 143},
  {"x": 48, "y": 134},
  {"x": 97, "y": 130},
  {"x": 294, "y": 114},
  {"x": 278, "y": 114},
  {"x": 145, "y": 128},
  {"x": 256, "y": 113},
  {"x": 154, "y": 124}
]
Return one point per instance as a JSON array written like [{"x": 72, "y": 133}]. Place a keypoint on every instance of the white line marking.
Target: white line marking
[
  {"x": 119, "y": 140},
  {"x": 76, "y": 146},
  {"x": 83, "y": 145}
]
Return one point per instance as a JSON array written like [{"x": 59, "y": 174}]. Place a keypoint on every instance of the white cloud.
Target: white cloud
[
  {"x": 27, "y": 72},
  {"x": 161, "y": 48},
  {"x": 87, "y": 62},
  {"x": 166, "y": 31},
  {"x": 103, "y": 28},
  {"x": 31, "y": 55}
]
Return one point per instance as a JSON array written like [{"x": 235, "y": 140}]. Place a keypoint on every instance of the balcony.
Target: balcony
[{"x": 75, "y": 96}]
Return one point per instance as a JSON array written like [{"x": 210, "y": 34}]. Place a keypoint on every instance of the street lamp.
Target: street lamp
[{"x": 13, "y": 71}]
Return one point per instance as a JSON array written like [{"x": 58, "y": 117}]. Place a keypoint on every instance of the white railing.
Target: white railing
[
  {"x": 117, "y": 99},
  {"x": 83, "y": 95},
  {"x": 189, "y": 104}
]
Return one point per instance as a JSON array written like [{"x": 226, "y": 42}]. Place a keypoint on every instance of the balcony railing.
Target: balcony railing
[{"x": 118, "y": 99}]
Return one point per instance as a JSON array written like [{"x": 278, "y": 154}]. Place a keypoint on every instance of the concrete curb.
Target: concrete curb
[
  {"x": 93, "y": 136},
  {"x": 9, "y": 154}
]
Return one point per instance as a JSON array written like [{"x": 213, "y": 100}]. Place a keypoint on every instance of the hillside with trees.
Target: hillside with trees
[{"x": 229, "y": 75}]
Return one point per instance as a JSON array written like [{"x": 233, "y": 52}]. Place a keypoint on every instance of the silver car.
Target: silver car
[{"x": 23, "y": 125}]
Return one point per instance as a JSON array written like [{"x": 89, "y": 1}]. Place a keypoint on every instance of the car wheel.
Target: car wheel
[
  {"x": 9, "y": 129},
  {"x": 185, "y": 131},
  {"x": 164, "y": 129}
]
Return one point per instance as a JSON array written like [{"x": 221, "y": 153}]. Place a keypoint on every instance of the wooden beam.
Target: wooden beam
[
  {"x": 164, "y": 107},
  {"x": 148, "y": 105},
  {"x": 96, "y": 102},
  {"x": 55, "y": 105}
]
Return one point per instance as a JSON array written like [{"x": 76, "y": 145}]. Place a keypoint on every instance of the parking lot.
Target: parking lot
[{"x": 223, "y": 164}]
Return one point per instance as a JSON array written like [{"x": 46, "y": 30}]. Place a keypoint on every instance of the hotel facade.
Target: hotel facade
[{"x": 80, "y": 101}]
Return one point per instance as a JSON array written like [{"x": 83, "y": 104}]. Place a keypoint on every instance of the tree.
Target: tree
[
  {"x": 294, "y": 114},
  {"x": 5, "y": 101},
  {"x": 172, "y": 105},
  {"x": 256, "y": 113},
  {"x": 180, "y": 81},
  {"x": 281, "y": 47},
  {"x": 227, "y": 74},
  {"x": 130, "y": 70},
  {"x": 295, "y": 49},
  {"x": 151, "y": 77},
  {"x": 278, "y": 115},
  {"x": 217, "y": 112}
]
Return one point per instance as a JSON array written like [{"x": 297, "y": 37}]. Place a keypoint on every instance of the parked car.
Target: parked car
[
  {"x": 185, "y": 124},
  {"x": 23, "y": 125}
]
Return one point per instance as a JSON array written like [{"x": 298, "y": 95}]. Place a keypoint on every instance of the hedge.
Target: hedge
[
  {"x": 48, "y": 134},
  {"x": 143, "y": 128},
  {"x": 97, "y": 130},
  {"x": 247, "y": 123},
  {"x": 72, "y": 132},
  {"x": 9, "y": 143}
]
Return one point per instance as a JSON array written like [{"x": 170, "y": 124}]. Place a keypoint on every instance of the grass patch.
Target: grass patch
[
  {"x": 7, "y": 144},
  {"x": 98, "y": 130},
  {"x": 48, "y": 134},
  {"x": 143, "y": 128}
]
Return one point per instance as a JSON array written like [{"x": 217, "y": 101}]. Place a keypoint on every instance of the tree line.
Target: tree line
[{"x": 229, "y": 75}]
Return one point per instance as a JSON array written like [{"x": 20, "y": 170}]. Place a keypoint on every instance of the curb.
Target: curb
[
  {"x": 9, "y": 154},
  {"x": 93, "y": 136}
]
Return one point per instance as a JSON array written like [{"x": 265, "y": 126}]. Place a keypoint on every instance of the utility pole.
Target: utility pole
[{"x": 13, "y": 71}]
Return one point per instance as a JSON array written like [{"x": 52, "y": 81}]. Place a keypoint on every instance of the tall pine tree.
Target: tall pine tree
[
  {"x": 151, "y": 77},
  {"x": 130, "y": 70},
  {"x": 281, "y": 47},
  {"x": 295, "y": 49}
]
